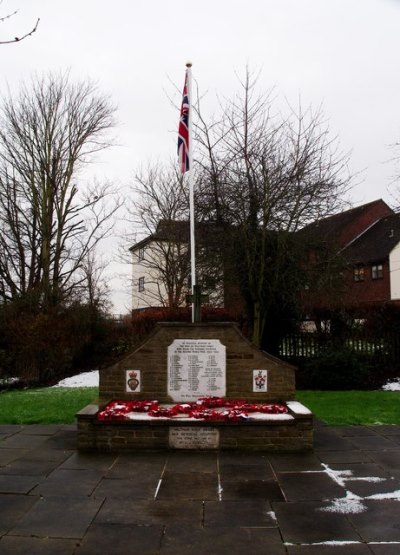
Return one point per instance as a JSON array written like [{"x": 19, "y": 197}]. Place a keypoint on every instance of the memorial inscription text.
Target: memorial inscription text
[{"x": 196, "y": 368}]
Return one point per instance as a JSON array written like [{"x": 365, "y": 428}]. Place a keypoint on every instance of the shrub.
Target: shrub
[{"x": 335, "y": 368}]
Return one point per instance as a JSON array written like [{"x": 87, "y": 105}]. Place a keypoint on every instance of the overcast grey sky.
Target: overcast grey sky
[{"x": 343, "y": 54}]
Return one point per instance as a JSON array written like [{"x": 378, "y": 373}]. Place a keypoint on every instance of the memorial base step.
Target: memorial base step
[{"x": 292, "y": 432}]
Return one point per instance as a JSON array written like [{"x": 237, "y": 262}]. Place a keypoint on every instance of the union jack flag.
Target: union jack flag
[{"x": 183, "y": 131}]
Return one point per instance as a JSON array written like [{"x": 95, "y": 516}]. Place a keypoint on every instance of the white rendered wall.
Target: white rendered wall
[
  {"x": 154, "y": 290},
  {"x": 394, "y": 265}
]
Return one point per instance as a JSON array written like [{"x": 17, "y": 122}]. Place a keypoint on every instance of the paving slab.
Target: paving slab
[
  {"x": 221, "y": 541},
  {"x": 188, "y": 485},
  {"x": 373, "y": 443},
  {"x": 326, "y": 439},
  {"x": 192, "y": 462},
  {"x": 18, "y": 484},
  {"x": 9, "y": 455},
  {"x": 41, "y": 429},
  {"x": 380, "y": 522},
  {"x": 390, "y": 460},
  {"x": 36, "y": 546},
  {"x": 386, "y": 429},
  {"x": 136, "y": 466},
  {"x": 338, "y": 549},
  {"x": 244, "y": 513},
  {"x": 305, "y": 523},
  {"x": 284, "y": 462},
  {"x": 385, "y": 548},
  {"x": 354, "y": 431},
  {"x": 12, "y": 509},
  {"x": 243, "y": 457},
  {"x": 244, "y": 490},
  {"x": 23, "y": 441},
  {"x": 141, "y": 488},
  {"x": 121, "y": 539},
  {"x": 31, "y": 467},
  {"x": 142, "y": 512},
  {"x": 65, "y": 438},
  {"x": 89, "y": 461},
  {"x": 9, "y": 429},
  {"x": 231, "y": 472},
  {"x": 69, "y": 482},
  {"x": 58, "y": 517},
  {"x": 310, "y": 486},
  {"x": 355, "y": 456}
]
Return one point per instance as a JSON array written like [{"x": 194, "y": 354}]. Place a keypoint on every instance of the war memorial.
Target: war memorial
[{"x": 196, "y": 386}]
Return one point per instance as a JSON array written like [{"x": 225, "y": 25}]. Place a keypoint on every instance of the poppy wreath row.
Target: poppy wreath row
[{"x": 205, "y": 408}]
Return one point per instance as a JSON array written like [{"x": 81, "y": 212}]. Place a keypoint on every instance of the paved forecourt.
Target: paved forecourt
[{"x": 342, "y": 499}]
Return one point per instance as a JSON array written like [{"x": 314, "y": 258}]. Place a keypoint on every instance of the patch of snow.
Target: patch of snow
[
  {"x": 298, "y": 408},
  {"x": 351, "y": 504},
  {"x": 392, "y": 386},
  {"x": 272, "y": 515},
  {"x": 390, "y": 495},
  {"x": 8, "y": 381},
  {"x": 329, "y": 542},
  {"x": 85, "y": 379}
]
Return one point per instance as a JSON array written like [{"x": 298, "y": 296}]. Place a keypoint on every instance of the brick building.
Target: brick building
[{"x": 365, "y": 243}]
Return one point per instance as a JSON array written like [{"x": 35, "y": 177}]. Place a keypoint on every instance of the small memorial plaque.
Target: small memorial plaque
[
  {"x": 196, "y": 368},
  {"x": 260, "y": 381},
  {"x": 132, "y": 381},
  {"x": 193, "y": 438}
]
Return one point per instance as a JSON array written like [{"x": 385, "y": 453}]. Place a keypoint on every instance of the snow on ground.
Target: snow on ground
[
  {"x": 91, "y": 379},
  {"x": 392, "y": 386},
  {"x": 86, "y": 379}
]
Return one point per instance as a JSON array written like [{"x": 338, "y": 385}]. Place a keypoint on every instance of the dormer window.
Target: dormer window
[{"x": 141, "y": 253}]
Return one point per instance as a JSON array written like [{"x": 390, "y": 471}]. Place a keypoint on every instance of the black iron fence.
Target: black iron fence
[{"x": 298, "y": 346}]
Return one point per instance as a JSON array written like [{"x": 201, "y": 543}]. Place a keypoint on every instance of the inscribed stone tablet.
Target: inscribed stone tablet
[
  {"x": 196, "y": 368},
  {"x": 193, "y": 438}
]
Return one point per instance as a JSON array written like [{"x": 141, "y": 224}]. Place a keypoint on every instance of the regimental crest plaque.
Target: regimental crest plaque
[
  {"x": 133, "y": 381},
  {"x": 260, "y": 381}
]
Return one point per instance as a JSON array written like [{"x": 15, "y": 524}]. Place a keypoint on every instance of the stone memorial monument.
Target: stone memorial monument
[{"x": 196, "y": 386}]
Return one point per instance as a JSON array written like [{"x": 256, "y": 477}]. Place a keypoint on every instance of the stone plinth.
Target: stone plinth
[
  {"x": 242, "y": 358},
  {"x": 181, "y": 362}
]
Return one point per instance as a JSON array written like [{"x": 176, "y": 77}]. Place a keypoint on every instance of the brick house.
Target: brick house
[{"x": 365, "y": 242}]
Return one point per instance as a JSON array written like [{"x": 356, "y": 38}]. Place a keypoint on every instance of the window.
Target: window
[
  {"x": 141, "y": 284},
  {"x": 358, "y": 273},
  {"x": 377, "y": 271},
  {"x": 141, "y": 253}
]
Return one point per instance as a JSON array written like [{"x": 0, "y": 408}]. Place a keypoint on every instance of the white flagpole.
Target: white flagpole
[{"x": 191, "y": 190}]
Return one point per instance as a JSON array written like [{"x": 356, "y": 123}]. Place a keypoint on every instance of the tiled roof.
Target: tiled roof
[
  {"x": 336, "y": 228},
  {"x": 179, "y": 231},
  {"x": 376, "y": 243}
]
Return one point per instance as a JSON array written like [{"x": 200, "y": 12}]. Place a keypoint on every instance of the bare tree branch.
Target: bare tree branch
[{"x": 19, "y": 39}]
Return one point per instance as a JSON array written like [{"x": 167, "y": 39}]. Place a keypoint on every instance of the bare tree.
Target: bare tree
[
  {"x": 49, "y": 221},
  {"x": 160, "y": 211},
  {"x": 263, "y": 173}
]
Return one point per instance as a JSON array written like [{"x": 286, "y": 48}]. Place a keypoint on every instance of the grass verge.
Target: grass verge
[
  {"x": 59, "y": 405},
  {"x": 44, "y": 406},
  {"x": 353, "y": 407}
]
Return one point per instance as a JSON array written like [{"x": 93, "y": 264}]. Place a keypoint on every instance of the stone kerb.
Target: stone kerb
[{"x": 143, "y": 374}]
